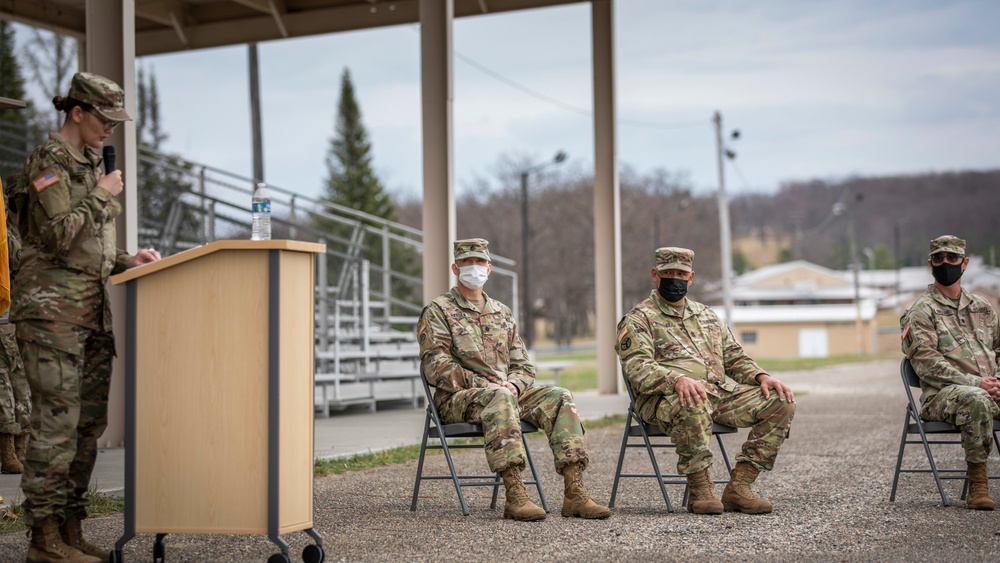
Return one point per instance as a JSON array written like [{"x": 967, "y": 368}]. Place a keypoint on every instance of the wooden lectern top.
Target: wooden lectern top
[{"x": 205, "y": 249}]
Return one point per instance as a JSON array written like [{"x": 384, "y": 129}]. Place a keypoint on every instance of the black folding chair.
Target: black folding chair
[
  {"x": 913, "y": 424},
  {"x": 457, "y": 436},
  {"x": 653, "y": 437}
]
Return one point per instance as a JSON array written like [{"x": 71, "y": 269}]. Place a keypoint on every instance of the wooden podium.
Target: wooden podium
[{"x": 219, "y": 393}]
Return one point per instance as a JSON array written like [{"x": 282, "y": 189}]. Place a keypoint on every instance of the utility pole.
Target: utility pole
[
  {"x": 258, "y": 143},
  {"x": 528, "y": 331},
  {"x": 724, "y": 234}
]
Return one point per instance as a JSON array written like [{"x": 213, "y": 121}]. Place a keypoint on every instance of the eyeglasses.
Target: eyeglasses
[
  {"x": 109, "y": 125},
  {"x": 950, "y": 257}
]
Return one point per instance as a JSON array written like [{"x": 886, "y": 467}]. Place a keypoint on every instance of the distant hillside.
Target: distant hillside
[
  {"x": 920, "y": 207},
  {"x": 659, "y": 209}
]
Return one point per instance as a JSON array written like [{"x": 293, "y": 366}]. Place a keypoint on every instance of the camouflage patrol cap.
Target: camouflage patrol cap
[
  {"x": 472, "y": 248},
  {"x": 673, "y": 258},
  {"x": 106, "y": 97},
  {"x": 947, "y": 243}
]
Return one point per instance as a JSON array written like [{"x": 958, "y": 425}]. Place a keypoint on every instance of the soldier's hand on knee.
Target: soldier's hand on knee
[
  {"x": 690, "y": 392},
  {"x": 768, "y": 383},
  {"x": 992, "y": 386}
]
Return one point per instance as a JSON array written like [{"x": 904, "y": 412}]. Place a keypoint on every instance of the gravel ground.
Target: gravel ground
[{"x": 830, "y": 489}]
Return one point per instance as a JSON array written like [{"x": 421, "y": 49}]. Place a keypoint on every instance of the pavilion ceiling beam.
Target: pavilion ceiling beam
[
  {"x": 304, "y": 23},
  {"x": 39, "y": 13},
  {"x": 483, "y": 7},
  {"x": 171, "y": 13},
  {"x": 276, "y": 9},
  {"x": 159, "y": 10}
]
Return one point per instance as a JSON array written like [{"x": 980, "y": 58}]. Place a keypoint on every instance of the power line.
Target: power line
[
  {"x": 561, "y": 104},
  {"x": 569, "y": 107}
]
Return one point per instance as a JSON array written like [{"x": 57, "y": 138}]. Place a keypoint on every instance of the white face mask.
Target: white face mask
[{"x": 473, "y": 277}]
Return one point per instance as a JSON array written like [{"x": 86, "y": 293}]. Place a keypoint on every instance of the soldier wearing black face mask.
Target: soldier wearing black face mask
[
  {"x": 687, "y": 370},
  {"x": 952, "y": 338}
]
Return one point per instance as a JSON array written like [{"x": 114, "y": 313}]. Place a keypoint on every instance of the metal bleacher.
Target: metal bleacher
[{"x": 366, "y": 307}]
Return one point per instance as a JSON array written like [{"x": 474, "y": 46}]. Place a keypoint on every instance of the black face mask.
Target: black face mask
[
  {"x": 672, "y": 289},
  {"x": 947, "y": 274}
]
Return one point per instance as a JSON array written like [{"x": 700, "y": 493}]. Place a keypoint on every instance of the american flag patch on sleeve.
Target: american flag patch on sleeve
[{"x": 45, "y": 180}]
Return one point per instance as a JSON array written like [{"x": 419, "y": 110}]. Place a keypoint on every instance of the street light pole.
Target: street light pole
[
  {"x": 852, "y": 248},
  {"x": 724, "y": 232},
  {"x": 525, "y": 290},
  {"x": 529, "y": 328}
]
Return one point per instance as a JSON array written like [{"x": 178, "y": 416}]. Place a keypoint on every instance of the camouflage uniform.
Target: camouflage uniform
[
  {"x": 15, "y": 395},
  {"x": 952, "y": 347},
  {"x": 61, "y": 307},
  {"x": 658, "y": 344},
  {"x": 462, "y": 350}
]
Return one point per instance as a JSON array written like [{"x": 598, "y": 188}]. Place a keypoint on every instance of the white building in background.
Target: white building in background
[{"x": 801, "y": 309}]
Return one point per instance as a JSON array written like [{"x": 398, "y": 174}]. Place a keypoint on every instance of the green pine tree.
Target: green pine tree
[
  {"x": 351, "y": 182},
  {"x": 16, "y": 137},
  {"x": 166, "y": 222}
]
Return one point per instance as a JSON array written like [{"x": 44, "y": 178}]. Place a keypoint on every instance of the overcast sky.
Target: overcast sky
[{"x": 817, "y": 89}]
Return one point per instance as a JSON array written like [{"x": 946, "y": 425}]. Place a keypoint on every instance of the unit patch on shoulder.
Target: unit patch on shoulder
[
  {"x": 622, "y": 333},
  {"x": 48, "y": 178},
  {"x": 421, "y": 327}
]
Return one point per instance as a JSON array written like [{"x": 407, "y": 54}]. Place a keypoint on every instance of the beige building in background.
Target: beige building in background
[
  {"x": 799, "y": 309},
  {"x": 802, "y": 310}
]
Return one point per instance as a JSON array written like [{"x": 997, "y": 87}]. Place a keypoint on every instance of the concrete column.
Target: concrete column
[
  {"x": 436, "y": 108},
  {"x": 110, "y": 52},
  {"x": 607, "y": 198}
]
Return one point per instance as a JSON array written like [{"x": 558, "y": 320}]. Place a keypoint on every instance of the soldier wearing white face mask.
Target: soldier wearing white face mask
[{"x": 471, "y": 353}]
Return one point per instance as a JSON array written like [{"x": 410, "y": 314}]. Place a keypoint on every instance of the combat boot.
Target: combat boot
[
  {"x": 518, "y": 506},
  {"x": 72, "y": 533},
  {"x": 47, "y": 547},
  {"x": 737, "y": 497},
  {"x": 8, "y": 455},
  {"x": 576, "y": 502},
  {"x": 701, "y": 494},
  {"x": 979, "y": 488},
  {"x": 21, "y": 445}
]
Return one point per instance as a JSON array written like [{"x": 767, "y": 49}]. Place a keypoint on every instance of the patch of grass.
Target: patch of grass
[
  {"x": 579, "y": 356},
  {"x": 773, "y": 365},
  {"x": 604, "y": 422},
  {"x": 403, "y": 454},
  {"x": 360, "y": 462},
  {"x": 577, "y": 378},
  {"x": 12, "y": 518}
]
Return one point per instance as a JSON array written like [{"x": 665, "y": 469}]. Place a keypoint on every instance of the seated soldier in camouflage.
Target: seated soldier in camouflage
[
  {"x": 952, "y": 339},
  {"x": 471, "y": 353},
  {"x": 687, "y": 370}
]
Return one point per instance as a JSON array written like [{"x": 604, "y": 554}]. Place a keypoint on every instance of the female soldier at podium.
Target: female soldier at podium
[{"x": 66, "y": 208}]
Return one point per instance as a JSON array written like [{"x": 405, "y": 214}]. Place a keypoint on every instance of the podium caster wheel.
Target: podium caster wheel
[
  {"x": 313, "y": 554},
  {"x": 116, "y": 556},
  {"x": 279, "y": 558},
  {"x": 159, "y": 552}
]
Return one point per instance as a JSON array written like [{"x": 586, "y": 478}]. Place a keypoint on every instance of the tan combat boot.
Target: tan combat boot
[
  {"x": 21, "y": 445},
  {"x": 576, "y": 502},
  {"x": 737, "y": 497},
  {"x": 72, "y": 533},
  {"x": 701, "y": 491},
  {"x": 8, "y": 455},
  {"x": 979, "y": 488},
  {"x": 518, "y": 505},
  {"x": 47, "y": 547}
]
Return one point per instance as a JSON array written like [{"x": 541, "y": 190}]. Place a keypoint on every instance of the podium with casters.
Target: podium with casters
[{"x": 219, "y": 394}]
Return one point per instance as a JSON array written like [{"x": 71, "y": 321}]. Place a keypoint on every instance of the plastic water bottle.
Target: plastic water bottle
[{"x": 261, "y": 213}]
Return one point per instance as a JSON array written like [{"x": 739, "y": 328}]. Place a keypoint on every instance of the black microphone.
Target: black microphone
[{"x": 109, "y": 159}]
